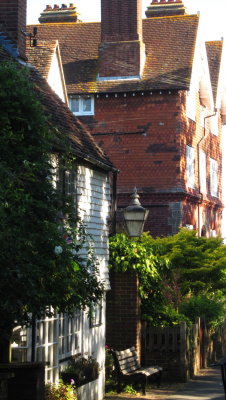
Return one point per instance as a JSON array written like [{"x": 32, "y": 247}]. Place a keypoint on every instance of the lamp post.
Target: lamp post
[{"x": 135, "y": 216}]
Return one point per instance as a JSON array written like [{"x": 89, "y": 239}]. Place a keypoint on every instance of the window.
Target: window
[
  {"x": 214, "y": 124},
  {"x": 96, "y": 314},
  {"x": 82, "y": 105},
  {"x": 47, "y": 345},
  {"x": 213, "y": 178},
  {"x": 69, "y": 329},
  {"x": 66, "y": 182},
  {"x": 202, "y": 171},
  {"x": 19, "y": 344},
  {"x": 190, "y": 166}
]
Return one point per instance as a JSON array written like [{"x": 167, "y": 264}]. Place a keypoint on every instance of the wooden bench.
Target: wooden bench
[{"x": 128, "y": 369}]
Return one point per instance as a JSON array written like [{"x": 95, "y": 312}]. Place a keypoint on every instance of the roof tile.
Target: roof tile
[{"x": 169, "y": 42}]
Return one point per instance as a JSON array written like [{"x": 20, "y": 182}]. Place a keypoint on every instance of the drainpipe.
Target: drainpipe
[
  {"x": 198, "y": 148},
  {"x": 114, "y": 201}
]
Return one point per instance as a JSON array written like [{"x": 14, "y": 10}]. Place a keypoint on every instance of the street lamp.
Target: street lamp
[{"x": 135, "y": 216}]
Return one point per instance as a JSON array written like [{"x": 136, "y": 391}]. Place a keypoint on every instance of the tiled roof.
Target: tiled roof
[
  {"x": 41, "y": 55},
  {"x": 169, "y": 42},
  {"x": 214, "y": 54},
  {"x": 62, "y": 119}
]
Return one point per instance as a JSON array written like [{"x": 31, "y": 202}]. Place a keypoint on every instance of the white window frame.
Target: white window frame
[
  {"x": 47, "y": 346},
  {"x": 213, "y": 178},
  {"x": 81, "y": 99},
  {"x": 96, "y": 314},
  {"x": 202, "y": 171},
  {"x": 69, "y": 334},
  {"x": 190, "y": 166}
]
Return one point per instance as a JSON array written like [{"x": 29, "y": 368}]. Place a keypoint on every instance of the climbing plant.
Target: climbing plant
[
  {"x": 39, "y": 266},
  {"x": 175, "y": 273}
]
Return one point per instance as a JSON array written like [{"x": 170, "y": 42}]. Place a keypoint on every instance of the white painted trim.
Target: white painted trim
[{"x": 118, "y": 78}]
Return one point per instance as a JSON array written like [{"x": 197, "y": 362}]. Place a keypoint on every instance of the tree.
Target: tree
[
  {"x": 38, "y": 268},
  {"x": 176, "y": 272}
]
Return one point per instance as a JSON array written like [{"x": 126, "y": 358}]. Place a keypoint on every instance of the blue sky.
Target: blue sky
[{"x": 213, "y": 13}]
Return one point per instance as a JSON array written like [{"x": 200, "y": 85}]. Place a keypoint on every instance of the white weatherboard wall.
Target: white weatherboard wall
[
  {"x": 93, "y": 201},
  {"x": 57, "y": 338}
]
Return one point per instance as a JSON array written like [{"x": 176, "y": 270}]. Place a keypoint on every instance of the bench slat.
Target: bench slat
[{"x": 127, "y": 366}]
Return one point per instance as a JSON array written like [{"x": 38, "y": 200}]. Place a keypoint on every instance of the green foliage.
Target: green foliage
[
  {"x": 32, "y": 274},
  {"x": 163, "y": 315},
  {"x": 81, "y": 371},
  {"x": 132, "y": 254},
  {"x": 129, "y": 389},
  {"x": 171, "y": 270},
  {"x": 198, "y": 306},
  {"x": 59, "y": 392},
  {"x": 198, "y": 262}
]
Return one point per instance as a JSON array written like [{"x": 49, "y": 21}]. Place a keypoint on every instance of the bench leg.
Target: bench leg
[
  {"x": 159, "y": 378},
  {"x": 144, "y": 384},
  {"x": 119, "y": 385}
]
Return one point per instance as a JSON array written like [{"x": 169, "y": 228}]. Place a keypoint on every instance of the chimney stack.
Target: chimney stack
[
  {"x": 59, "y": 14},
  {"x": 122, "y": 50},
  {"x": 13, "y": 23},
  {"x": 165, "y": 8}
]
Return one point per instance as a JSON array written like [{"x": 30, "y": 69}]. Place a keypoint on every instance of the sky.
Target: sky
[{"x": 213, "y": 13}]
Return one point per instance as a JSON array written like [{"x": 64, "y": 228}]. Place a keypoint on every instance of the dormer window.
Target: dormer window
[{"x": 82, "y": 105}]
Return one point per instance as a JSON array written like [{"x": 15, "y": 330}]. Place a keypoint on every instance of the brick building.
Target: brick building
[{"x": 152, "y": 93}]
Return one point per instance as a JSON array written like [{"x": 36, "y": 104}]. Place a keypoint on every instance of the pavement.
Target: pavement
[{"x": 207, "y": 385}]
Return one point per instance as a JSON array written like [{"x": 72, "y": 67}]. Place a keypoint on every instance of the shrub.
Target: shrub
[
  {"x": 81, "y": 371},
  {"x": 200, "y": 305},
  {"x": 59, "y": 392}
]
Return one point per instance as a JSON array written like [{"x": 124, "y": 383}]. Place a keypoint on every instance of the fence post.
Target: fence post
[{"x": 183, "y": 358}]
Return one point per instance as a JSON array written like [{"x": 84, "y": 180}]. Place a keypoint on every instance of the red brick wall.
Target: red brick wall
[
  {"x": 141, "y": 134},
  {"x": 145, "y": 134},
  {"x": 13, "y": 22},
  {"x": 123, "y": 327}
]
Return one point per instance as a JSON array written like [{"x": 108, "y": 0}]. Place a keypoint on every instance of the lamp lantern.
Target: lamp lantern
[{"x": 135, "y": 216}]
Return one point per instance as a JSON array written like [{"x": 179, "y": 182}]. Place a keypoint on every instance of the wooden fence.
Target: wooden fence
[{"x": 181, "y": 350}]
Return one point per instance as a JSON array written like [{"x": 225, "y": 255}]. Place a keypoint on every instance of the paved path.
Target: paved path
[{"x": 206, "y": 386}]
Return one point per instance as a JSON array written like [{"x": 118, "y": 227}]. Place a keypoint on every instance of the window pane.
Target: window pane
[
  {"x": 86, "y": 104},
  {"x": 74, "y": 104},
  {"x": 213, "y": 178},
  {"x": 190, "y": 166}
]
